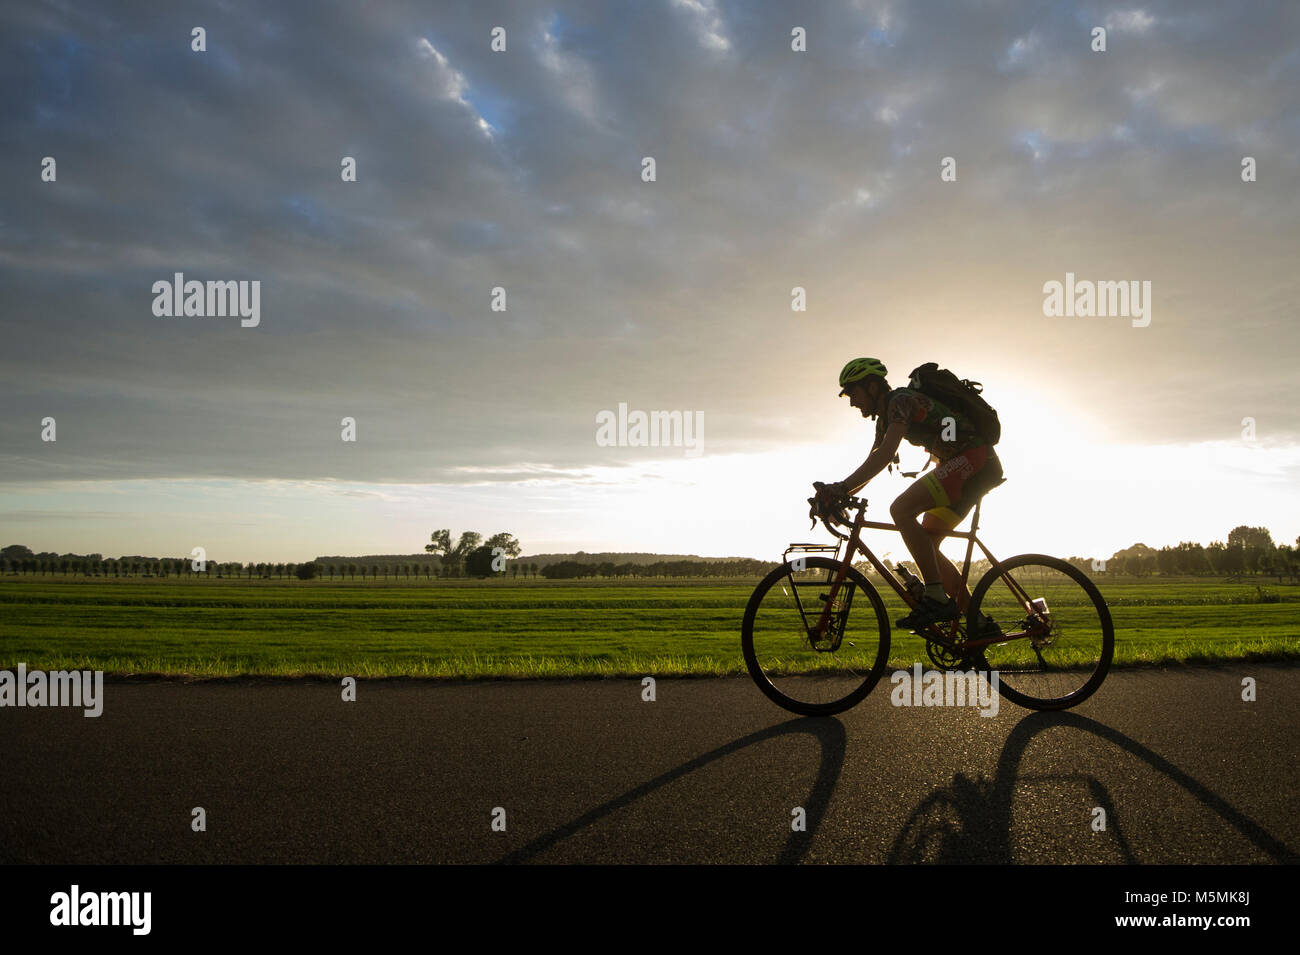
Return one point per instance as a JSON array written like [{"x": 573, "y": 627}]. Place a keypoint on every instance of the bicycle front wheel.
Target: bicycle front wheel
[
  {"x": 1060, "y": 638},
  {"x": 806, "y": 674}
]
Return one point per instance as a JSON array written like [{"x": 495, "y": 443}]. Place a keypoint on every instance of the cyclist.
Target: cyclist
[{"x": 967, "y": 469}]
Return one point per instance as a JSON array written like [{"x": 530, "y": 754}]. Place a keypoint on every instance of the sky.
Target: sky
[{"x": 523, "y": 170}]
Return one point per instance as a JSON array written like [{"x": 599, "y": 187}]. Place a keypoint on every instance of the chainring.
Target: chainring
[{"x": 943, "y": 657}]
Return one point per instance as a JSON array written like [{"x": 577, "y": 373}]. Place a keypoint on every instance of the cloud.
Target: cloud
[
  {"x": 1130, "y": 21},
  {"x": 1020, "y": 52},
  {"x": 775, "y": 170},
  {"x": 573, "y": 79},
  {"x": 448, "y": 82},
  {"x": 708, "y": 23}
]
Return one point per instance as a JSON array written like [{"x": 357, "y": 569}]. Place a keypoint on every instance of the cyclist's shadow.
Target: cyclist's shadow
[
  {"x": 830, "y": 736},
  {"x": 971, "y": 820},
  {"x": 966, "y": 821}
]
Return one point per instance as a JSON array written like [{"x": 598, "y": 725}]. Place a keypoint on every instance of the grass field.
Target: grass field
[{"x": 535, "y": 628}]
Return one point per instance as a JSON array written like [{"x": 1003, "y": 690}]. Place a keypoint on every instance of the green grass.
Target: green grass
[{"x": 516, "y": 629}]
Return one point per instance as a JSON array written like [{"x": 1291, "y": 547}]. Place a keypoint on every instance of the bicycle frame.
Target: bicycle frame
[{"x": 952, "y": 638}]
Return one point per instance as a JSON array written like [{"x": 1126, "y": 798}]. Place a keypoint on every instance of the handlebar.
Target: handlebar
[{"x": 831, "y": 513}]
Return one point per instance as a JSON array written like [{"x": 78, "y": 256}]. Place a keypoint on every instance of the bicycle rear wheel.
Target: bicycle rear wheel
[
  {"x": 1057, "y": 657},
  {"x": 823, "y": 676}
]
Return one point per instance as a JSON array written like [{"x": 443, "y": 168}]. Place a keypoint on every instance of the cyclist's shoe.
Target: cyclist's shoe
[{"x": 929, "y": 611}]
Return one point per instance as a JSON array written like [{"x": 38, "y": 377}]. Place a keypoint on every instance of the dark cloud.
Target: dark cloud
[{"x": 522, "y": 170}]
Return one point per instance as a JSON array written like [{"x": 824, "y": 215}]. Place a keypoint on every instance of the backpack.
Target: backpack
[{"x": 959, "y": 394}]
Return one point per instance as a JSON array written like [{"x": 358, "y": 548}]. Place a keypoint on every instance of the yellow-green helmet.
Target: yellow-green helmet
[{"x": 860, "y": 369}]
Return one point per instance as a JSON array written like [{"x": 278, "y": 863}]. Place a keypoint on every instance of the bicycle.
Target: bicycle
[{"x": 1045, "y": 629}]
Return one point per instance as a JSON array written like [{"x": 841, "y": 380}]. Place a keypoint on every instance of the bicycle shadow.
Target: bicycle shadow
[
  {"x": 830, "y": 735},
  {"x": 983, "y": 808}
]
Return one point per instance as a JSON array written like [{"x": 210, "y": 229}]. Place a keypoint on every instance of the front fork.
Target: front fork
[{"x": 818, "y": 633}]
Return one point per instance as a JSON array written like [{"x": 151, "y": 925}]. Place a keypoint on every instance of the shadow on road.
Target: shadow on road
[
  {"x": 967, "y": 821},
  {"x": 829, "y": 733},
  {"x": 970, "y": 820}
]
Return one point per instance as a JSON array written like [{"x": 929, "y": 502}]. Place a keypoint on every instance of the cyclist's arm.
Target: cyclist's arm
[{"x": 880, "y": 456}]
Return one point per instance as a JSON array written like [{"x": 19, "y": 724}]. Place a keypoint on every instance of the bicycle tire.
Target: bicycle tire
[
  {"x": 795, "y": 675},
  {"x": 1080, "y": 644}
]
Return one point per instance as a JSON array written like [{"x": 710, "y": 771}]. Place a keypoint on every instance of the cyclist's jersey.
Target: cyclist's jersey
[{"x": 924, "y": 416}]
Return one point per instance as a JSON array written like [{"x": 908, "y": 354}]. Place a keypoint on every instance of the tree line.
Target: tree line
[
  {"x": 736, "y": 567},
  {"x": 18, "y": 559},
  {"x": 1248, "y": 550}
]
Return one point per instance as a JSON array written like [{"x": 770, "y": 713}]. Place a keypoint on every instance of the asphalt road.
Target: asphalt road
[{"x": 711, "y": 771}]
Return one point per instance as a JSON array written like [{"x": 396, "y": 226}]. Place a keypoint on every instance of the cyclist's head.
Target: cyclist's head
[{"x": 860, "y": 371}]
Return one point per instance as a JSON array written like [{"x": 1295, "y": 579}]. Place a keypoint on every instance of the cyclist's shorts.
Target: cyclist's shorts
[{"x": 957, "y": 484}]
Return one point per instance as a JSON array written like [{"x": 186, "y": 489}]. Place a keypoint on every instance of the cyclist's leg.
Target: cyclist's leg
[
  {"x": 915, "y": 500},
  {"x": 958, "y": 485},
  {"x": 939, "y": 522}
]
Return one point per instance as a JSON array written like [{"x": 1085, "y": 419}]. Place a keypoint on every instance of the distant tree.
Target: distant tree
[
  {"x": 1191, "y": 558},
  {"x": 452, "y": 558},
  {"x": 1250, "y": 537},
  {"x": 1255, "y": 543},
  {"x": 1265, "y": 563},
  {"x": 509, "y": 546},
  {"x": 1234, "y": 559},
  {"x": 306, "y": 571},
  {"x": 564, "y": 570},
  {"x": 1289, "y": 561},
  {"x": 16, "y": 552},
  {"x": 479, "y": 561}
]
